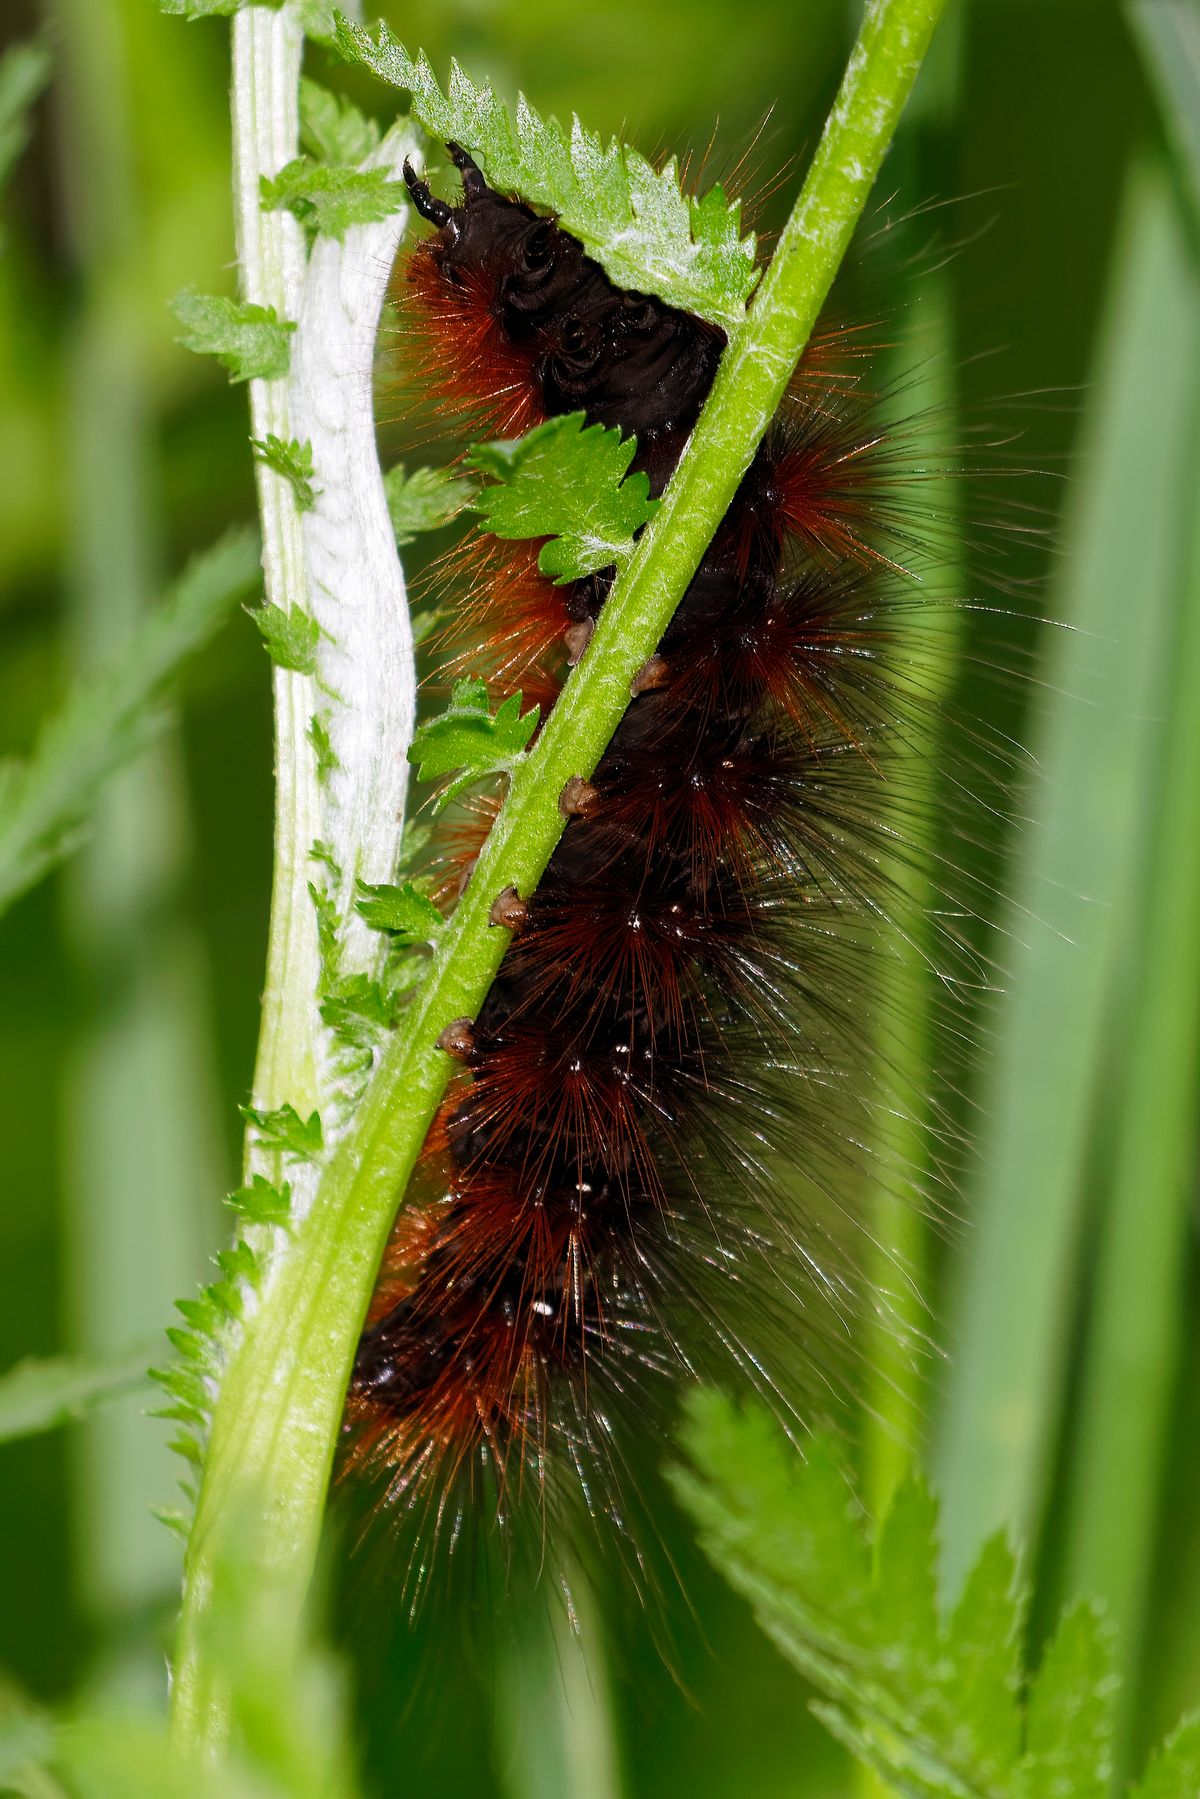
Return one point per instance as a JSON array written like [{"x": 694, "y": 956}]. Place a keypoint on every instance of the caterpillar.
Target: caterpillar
[{"x": 651, "y": 1165}]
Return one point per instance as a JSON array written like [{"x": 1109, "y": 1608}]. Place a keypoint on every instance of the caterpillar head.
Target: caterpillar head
[
  {"x": 499, "y": 251},
  {"x": 519, "y": 324}
]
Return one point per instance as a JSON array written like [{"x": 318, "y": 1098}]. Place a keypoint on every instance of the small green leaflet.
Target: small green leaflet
[
  {"x": 261, "y": 1202},
  {"x": 284, "y": 1129},
  {"x": 402, "y": 911},
  {"x": 252, "y": 342},
  {"x": 292, "y": 460},
  {"x": 328, "y": 199},
  {"x": 424, "y": 500},
  {"x": 331, "y": 127},
  {"x": 290, "y": 637},
  {"x": 468, "y": 737},
  {"x": 631, "y": 217},
  {"x": 939, "y": 1706},
  {"x": 358, "y": 1010},
  {"x": 318, "y": 736},
  {"x": 565, "y": 481}
]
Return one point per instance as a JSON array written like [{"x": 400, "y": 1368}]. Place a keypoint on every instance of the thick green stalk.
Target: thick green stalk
[
  {"x": 277, "y": 1415},
  {"x": 267, "y": 45}
]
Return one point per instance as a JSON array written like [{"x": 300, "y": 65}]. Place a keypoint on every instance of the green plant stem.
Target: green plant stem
[
  {"x": 1019, "y": 1288},
  {"x": 276, "y": 1418},
  {"x": 895, "y": 1349},
  {"x": 1136, "y": 1327},
  {"x": 267, "y": 46}
]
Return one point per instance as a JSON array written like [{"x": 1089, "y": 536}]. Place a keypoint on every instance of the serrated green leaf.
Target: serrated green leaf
[
  {"x": 290, "y": 637},
  {"x": 186, "y": 1384},
  {"x": 566, "y": 481},
  {"x": 424, "y": 500},
  {"x": 284, "y": 1129},
  {"x": 227, "y": 1297},
  {"x": 401, "y": 911},
  {"x": 103, "y": 724},
  {"x": 359, "y": 1010},
  {"x": 39, "y": 1395},
  {"x": 186, "y": 1444},
  {"x": 905, "y": 1605},
  {"x": 323, "y": 852},
  {"x": 1069, "y": 1717},
  {"x": 262, "y": 1202},
  {"x": 24, "y": 72},
  {"x": 934, "y": 1707},
  {"x": 468, "y": 737},
  {"x": 187, "y": 1344},
  {"x": 328, "y": 930},
  {"x": 1174, "y": 1773},
  {"x": 332, "y": 128},
  {"x": 328, "y": 199},
  {"x": 200, "y": 1313},
  {"x": 251, "y": 341},
  {"x": 292, "y": 460},
  {"x": 632, "y": 218},
  {"x": 983, "y": 1639},
  {"x": 241, "y": 1261}
]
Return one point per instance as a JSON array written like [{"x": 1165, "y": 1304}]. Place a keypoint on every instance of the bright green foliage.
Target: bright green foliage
[
  {"x": 424, "y": 500},
  {"x": 250, "y": 341},
  {"x": 328, "y": 198},
  {"x": 939, "y": 1706},
  {"x": 24, "y": 72},
  {"x": 191, "y": 1380},
  {"x": 292, "y": 460},
  {"x": 40, "y": 1395},
  {"x": 331, "y": 127},
  {"x": 566, "y": 482},
  {"x": 468, "y": 737},
  {"x": 283, "y": 1129},
  {"x": 290, "y": 637},
  {"x": 1174, "y": 1773},
  {"x": 402, "y": 911},
  {"x": 358, "y": 1010},
  {"x": 45, "y": 800},
  {"x": 262, "y": 1202},
  {"x": 631, "y": 217}
]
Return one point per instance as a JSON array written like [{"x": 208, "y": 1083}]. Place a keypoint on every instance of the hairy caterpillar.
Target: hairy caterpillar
[{"x": 651, "y": 1164}]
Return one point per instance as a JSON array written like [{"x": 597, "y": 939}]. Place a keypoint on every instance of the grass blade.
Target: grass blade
[
  {"x": 1016, "y": 1297},
  {"x": 44, "y": 802}
]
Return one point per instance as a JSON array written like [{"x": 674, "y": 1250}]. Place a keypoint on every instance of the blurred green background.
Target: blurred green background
[{"x": 1066, "y": 1403}]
